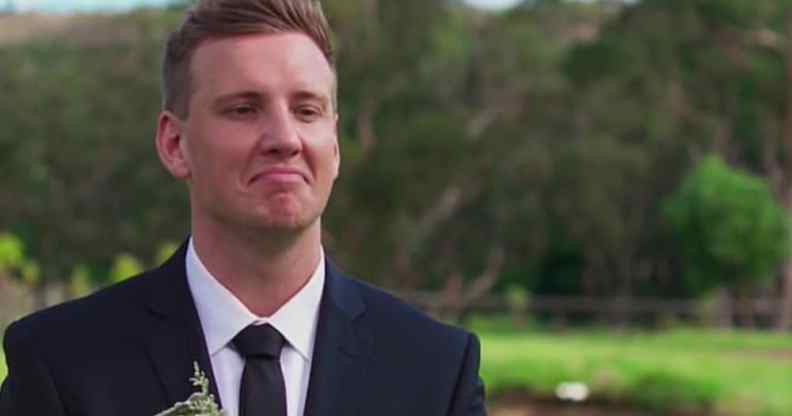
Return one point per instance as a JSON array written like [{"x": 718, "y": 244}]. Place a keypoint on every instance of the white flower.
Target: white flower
[{"x": 574, "y": 392}]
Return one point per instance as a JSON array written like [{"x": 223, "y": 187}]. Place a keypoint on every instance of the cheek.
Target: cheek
[
  {"x": 212, "y": 169},
  {"x": 329, "y": 160},
  {"x": 321, "y": 148},
  {"x": 220, "y": 147}
]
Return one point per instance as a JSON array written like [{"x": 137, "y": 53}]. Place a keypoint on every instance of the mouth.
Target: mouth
[{"x": 280, "y": 176}]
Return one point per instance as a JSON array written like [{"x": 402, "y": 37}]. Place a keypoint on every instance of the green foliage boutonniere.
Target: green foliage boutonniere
[{"x": 200, "y": 403}]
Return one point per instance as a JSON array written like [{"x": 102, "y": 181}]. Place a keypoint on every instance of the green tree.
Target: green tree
[
  {"x": 732, "y": 230},
  {"x": 81, "y": 181},
  {"x": 691, "y": 77}
]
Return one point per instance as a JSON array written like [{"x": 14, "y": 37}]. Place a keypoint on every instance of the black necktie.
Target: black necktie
[{"x": 263, "y": 391}]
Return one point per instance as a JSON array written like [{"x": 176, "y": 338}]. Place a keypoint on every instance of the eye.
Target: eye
[
  {"x": 245, "y": 109},
  {"x": 242, "y": 110},
  {"x": 308, "y": 112}
]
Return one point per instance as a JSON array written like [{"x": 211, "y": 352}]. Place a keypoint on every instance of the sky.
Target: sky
[{"x": 66, "y": 6}]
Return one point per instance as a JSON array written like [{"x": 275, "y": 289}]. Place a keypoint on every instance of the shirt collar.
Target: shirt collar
[{"x": 223, "y": 315}]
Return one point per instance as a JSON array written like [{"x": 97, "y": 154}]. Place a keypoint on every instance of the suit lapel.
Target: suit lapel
[
  {"x": 177, "y": 340},
  {"x": 342, "y": 348},
  {"x": 341, "y": 351}
]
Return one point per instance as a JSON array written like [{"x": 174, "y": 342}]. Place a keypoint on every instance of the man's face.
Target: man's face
[{"x": 259, "y": 145}]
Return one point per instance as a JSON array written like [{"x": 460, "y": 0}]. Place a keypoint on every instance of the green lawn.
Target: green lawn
[{"x": 731, "y": 372}]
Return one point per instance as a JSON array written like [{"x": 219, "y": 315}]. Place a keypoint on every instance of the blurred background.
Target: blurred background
[{"x": 600, "y": 189}]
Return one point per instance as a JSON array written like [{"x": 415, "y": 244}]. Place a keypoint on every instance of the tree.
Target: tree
[
  {"x": 732, "y": 230},
  {"x": 707, "y": 76},
  {"x": 81, "y": 181}
]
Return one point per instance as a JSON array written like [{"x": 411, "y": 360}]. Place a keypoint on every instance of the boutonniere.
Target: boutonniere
[{"x": 200, "y": 403}]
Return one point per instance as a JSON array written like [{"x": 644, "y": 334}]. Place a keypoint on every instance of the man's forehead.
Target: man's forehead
[{"x": 261, "y": 60}]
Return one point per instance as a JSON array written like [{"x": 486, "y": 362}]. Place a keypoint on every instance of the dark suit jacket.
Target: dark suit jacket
[{"x": 129, "y": 351}]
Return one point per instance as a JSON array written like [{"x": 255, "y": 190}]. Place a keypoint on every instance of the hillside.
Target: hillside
[
  {"x": 16, "y": 28},
  {"x": 88, "y": 30}
]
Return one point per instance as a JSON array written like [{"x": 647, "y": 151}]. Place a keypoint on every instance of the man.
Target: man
[{"x": 249, "y": 123}]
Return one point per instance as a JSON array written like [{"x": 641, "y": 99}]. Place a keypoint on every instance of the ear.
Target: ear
[
  {"x": 170, "y": 145},
  {"x": 337, "y": 149}
]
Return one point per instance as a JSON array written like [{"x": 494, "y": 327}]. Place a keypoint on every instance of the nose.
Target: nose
[{"x": 280, "y": 136}]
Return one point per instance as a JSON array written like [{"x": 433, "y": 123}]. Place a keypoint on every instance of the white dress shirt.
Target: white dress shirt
[{"x": 223, "y": 316}]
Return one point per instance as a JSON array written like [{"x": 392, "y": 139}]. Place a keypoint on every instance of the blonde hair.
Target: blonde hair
[{"x": 212, "y": 19}]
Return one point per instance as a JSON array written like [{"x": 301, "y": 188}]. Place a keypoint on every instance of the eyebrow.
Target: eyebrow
[
  {"x": 323, "y": 99},
  {"x": 300, "y": 95}
]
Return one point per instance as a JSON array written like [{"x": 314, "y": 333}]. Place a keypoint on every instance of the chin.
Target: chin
[
  {"x": 285, "y": 220},
  {"x": 284, "y": 223},
  {"x": 284, "y": 214}
]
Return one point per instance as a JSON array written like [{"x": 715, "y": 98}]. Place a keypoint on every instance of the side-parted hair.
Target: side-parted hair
[{"x": 217, "y": 19}]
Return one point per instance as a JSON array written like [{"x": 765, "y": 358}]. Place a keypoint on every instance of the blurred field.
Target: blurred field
[{"x": 732, "y": 373}]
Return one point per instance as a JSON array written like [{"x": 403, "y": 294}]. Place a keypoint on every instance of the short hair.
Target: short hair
[{"x": 217, "y": 19}]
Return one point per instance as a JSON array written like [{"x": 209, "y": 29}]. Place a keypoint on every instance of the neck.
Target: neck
[{"x": 261, "y": 271}]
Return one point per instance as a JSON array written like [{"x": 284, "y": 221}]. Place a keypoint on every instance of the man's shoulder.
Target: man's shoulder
[
  {"x": 407, "y": 341},
  {"x": 399, "y": 320},
  {"x": 76, "y": 318}
]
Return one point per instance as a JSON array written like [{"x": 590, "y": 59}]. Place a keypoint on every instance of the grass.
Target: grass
[{"x": 732, "y": 373}]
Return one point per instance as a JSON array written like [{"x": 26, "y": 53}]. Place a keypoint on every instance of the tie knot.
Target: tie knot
[{"x": 259, "y": 341}]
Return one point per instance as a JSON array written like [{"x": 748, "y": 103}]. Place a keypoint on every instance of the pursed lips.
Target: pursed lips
[{"x": 281, "y": 174}]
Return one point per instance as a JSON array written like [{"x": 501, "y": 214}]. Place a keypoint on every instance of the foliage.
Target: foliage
[
  {"x": 685, "y": 78},
  {"x": 14, "y": 260},
  {"x": 164, "y": 252},
  {"x": 200, "y": 403},
  {"x": 3, "y": 368},
  {"x": 12, "y": 252},
  {"x": 124, "y": 267},
  {"x": 548, "y": 135},
  {"x": 730, "y": 227},
  {"x": 83, "y": 179},
  {"x": 80, "y": 283}
]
